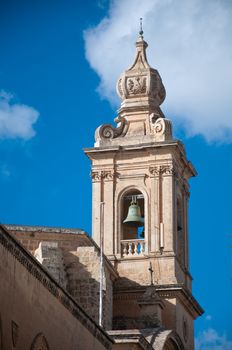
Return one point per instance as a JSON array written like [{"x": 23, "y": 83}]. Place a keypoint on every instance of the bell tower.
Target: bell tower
[{"x": 140, "y": 173}]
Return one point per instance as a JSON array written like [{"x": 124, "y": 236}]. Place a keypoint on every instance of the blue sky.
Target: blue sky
[{"x": 58, "y": 67}]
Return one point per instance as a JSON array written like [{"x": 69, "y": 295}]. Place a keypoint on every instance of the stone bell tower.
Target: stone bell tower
[{"x": 140, "y": 160}]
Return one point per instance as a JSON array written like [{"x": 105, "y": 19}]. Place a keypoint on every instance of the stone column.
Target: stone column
[
  {"x": 167, "y": 177},
  {"x": 155, "y": 209},
  {"x": 96, "y": 199},
  {"x": 108, "y": 199}
]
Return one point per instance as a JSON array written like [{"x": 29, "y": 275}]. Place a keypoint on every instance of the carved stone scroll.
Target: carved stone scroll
[
  {"x": 161, "y": 128},
  {"x": 107, "y": 131}
]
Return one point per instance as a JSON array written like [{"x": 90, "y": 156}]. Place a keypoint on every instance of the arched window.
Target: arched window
[
  {"x": 133, "y": 215},
  {"x": 132, "y": 223}
]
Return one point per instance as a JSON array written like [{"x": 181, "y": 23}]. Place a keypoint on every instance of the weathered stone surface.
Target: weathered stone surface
[
  {"x": 50, "y": 256},
  {"x": 74, "y": 261},
  {"x": 43, "y": 314},
  {"x": 141, "y": 159}
]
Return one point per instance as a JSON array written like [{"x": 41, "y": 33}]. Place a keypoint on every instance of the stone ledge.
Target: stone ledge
[
  {"x": 51, "y": 229},
  {"x": 165, "y": 292},
  {"x": 133, "y": 336}
]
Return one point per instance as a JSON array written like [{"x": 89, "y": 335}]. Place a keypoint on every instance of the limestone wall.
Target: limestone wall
[
  {"x": 185, "y": 326},
  {"x": 83, "y": 271},
  {"x": 35, "y": 312},
  {"x": 73, "y": 260}
]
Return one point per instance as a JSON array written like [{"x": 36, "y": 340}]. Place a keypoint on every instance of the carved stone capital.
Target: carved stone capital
[
  {"x": 162, "y": 170},
  {"x": 96, "y": 176},
  {"x": 107, "y": 175},
  {"x": 167, "y": 170},
  {"x": 154, "y": 170}
]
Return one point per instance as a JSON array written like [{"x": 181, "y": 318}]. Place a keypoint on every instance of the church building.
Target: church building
[{"x": 129, "y": 286}]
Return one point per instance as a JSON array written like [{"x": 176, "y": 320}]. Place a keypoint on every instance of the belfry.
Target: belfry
[
  {"x": 140, "y": 178},
  {"x": 129, "y": 286}
]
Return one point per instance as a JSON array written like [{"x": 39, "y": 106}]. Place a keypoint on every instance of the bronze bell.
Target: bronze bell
[{"x": 134, "y": 217}]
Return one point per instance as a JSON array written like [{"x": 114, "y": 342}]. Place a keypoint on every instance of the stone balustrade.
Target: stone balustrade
[{"x": 132, "y": 247}]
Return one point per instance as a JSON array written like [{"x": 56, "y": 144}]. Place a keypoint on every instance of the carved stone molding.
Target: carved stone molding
[
  {"x": 39, "y": 343},
  {"x": 168, "y": 291},
  {"x": 107, "y": 131},
  {"x": 162, "y": 170},
  {"x": 151, "y": 296},
  {"x": 131, "y": 337},
  {"x": 107, "y": 175},
  {"x": 167, "y": 170},
  {"x": 154, "y": 170},
  {"x": 96, "y": 176},
  {"x": 136, "y": 85}
]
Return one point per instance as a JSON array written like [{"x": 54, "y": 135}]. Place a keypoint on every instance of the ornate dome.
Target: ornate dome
[
  {"x": 141, "y": 89},
  {"x": 141, "y": 85}
]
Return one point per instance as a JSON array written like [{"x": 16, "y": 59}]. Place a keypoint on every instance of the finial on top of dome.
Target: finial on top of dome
[{"x": 141, "y": 28}]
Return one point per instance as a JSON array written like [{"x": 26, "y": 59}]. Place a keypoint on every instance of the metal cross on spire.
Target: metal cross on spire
[{"x": 141, "y": 27}]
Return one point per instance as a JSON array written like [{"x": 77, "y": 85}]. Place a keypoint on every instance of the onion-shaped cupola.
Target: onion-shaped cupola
[
  {"x": 141, "y": 89},
  {"x": 140, "y": 86}
]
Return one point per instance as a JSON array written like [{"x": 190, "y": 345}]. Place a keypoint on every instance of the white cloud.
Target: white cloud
[
  {"x": 5, "y": 171},
  {"x": 211, "y": 340},
  {"x": 190, "y": 43},
  {"x": 16, "y": 120},
  {"x": 208, "y": 317}
]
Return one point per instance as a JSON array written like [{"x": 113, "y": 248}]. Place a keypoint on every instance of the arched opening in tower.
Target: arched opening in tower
[{"x": 133, "y": 215}]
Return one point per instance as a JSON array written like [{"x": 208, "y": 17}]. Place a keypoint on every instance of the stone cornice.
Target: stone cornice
[
  {"x": 147, "y": 338},
  {"x": 165, "y": 292},
  {"x": 171, "y": 143},
  {"x": 130, "y": 337},
  {"x": 98, "y": 152},
  {"x": 41, "y": 274},
  {"x": 47, "y": 229}
]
